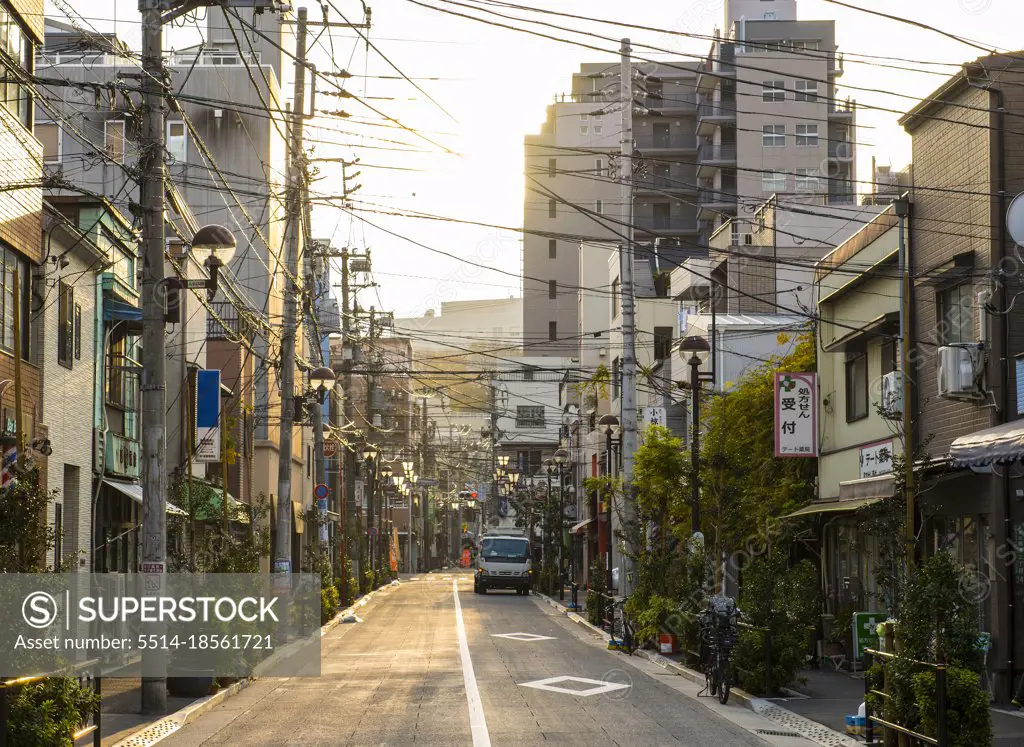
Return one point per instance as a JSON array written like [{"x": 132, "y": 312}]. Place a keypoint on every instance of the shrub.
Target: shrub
[
  {"x": 596, "y": 589},
  {"x": 967, "y": 714},
  {"x": 47, "y": 713},
  {"x": 648, "y": 618},
  {"x": 328, "y": 604}
]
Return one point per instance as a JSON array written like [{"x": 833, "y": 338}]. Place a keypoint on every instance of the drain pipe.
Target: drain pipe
[{"x": 1004, "y": 334}]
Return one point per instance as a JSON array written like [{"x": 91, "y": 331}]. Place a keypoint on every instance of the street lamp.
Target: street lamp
[
  {"x": 560, "y": 457},
  {"x": 370, "y": 455},
  {"x": 695, "y": 345},
  {"x": 216, "y": 239},
  {"x": 610, "y": 423},
  {"x": 321, "y": 381},
  {"x": 503, "y": 461},
  {"x": 386, "y": 472},
  {"x": 407, "y": 467}
]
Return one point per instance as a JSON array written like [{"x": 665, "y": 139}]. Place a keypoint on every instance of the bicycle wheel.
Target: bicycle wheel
[
  {"x": 712, "y": 675},
  {"x": 725, "y": 684}
]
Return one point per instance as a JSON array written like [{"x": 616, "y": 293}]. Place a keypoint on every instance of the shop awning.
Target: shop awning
[
  {"x": 822, "y": 507},
  {"x": 580, "y": 526},
  {"x": 999, "y": 445},
  {"x": 134, "y": 491}
]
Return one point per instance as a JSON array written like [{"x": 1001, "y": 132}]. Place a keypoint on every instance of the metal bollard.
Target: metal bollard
[
  {"x": 3, "y": 714},
  {"x": 97, "y": 736},
  {"x": 941, "y": 725},
  {"x": 869, "y": 729}
]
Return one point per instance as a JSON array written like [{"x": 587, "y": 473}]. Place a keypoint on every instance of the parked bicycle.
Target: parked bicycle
[
  {"x": 622, "y": 630},
  {"x": 718, "y": 636}
]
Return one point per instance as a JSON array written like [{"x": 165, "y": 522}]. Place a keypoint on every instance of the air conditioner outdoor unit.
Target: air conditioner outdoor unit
[
  {"x": 892, "y": 395},
  {"x": 960, "y": 370}
]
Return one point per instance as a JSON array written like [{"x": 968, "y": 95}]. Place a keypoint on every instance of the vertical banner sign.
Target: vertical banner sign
[
  {"x": 796, "y": 415},
  {"x": 207, "y": 415}
]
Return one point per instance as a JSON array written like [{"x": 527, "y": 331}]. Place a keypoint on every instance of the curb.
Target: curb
[
  {"x": 578, "y": 619},
  {"x": 164, "y": 727}
]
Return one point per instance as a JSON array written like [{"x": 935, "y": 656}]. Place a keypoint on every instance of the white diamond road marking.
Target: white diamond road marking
[
  {"x": 600, "y": 686},
  {"x": 526, "y": 637}
]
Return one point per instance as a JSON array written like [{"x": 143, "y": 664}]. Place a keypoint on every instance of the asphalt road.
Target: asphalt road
[{"x": 411, "y": 674}]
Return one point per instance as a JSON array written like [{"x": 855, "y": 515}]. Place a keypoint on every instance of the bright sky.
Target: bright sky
[{"x": 497, "y": 82}]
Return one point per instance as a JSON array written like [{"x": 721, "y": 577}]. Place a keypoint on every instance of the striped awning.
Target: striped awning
[{"x": 1001, "y": 444}]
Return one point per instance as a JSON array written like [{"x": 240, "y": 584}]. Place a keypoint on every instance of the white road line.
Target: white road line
[{"x": 477, "y": 722}]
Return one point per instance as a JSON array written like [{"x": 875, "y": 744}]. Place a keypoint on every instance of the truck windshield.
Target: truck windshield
[{"x": 497, "y": 548}]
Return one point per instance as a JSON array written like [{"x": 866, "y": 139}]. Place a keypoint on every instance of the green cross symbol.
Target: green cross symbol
[{"x": 788, "y": 383}]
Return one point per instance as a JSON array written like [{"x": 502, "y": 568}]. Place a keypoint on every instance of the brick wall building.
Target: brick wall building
[{"x": 968, "y": 163}]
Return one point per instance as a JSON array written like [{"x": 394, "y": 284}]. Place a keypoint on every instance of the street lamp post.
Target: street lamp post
[
  {"x": 559, "y": 458},
  {"x": 549, "y": 470},
  {"x": 695, "y": 345},
  {"x": 611, "y": 424},
  {"x": 370, "y": 455}
]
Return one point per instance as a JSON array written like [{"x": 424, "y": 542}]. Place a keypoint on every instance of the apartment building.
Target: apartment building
[
  {"x": 769, "y": 118},
  {"x": 887, "y": 183},
  {"x": 969, "y": 337}
]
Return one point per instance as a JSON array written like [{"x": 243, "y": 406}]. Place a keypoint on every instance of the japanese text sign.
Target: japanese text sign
[{"x": 796, "y": 415}]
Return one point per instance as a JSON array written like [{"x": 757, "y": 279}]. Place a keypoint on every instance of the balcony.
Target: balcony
[
  {"x": 842, "y": 110},
  {"x": 223, "y": 323},
  {"x": 841, "y": 150},
  {"x": 713, "y": 203},
  {"x": 667, "y": 142},
  {"x": 667, "y": 224},
  {"x": 675, "y": 100},
  {"x": 676, "y": 181},
  {"x": 835, "y": 65},
  {"x": 123, "y": 456},
  {"x": 710, "y": 158},
  {"x": 842, "y": 198}
]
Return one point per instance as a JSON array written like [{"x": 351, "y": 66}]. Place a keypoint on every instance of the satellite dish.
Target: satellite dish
[{"x": 1015, "y": 219}]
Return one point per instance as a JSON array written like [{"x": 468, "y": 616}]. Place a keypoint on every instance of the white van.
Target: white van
[{"x": 503, "y": 562}]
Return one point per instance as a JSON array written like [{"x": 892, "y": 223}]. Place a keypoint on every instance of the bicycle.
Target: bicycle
[
  {"x": 623, "y": 635},
  {"x": 719, "y": 634}
]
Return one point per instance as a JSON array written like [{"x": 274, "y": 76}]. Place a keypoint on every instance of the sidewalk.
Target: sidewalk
[{"x": 827, "y": 697}]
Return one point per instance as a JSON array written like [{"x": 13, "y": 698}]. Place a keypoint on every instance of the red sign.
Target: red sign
[{"x": 330, "y": 448}]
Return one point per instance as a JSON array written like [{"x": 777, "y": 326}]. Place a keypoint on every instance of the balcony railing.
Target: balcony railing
[
  {"x": 223, "y": 58},
  {"x": 840, "y": 149},
  {"x": 672, "y": 100},
  {"x": 667, "y": 223},
  {"x": 712, "y": 153},
  {"x": 672, "y": 142},
  {"x": 725, "y": 108},
  {"x": 223, "y": 322},
  {"x": 715, "y": 197},
  {"x": 675, "y": 180},
  {"x": 842, "y": 198}
]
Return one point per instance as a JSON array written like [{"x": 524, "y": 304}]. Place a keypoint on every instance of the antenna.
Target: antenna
[{"x": 1015, "y": 219}]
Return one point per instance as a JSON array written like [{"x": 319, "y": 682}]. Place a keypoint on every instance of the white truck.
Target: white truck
[{"x": 504, "y": 562}]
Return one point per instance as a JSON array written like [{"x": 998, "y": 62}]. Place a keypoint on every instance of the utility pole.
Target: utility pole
[
  {"x": 372, "y": 527},
  {"x": 316, "y": 353},
  {"x": 628, "y": 417},
  {"x": 294, "y": 212},
  {"x": 348, "y": 456},
  {"x": 153, "y": 384},
  {"x": 425, "y": 466},
  {"x": 902, "y": 209}
]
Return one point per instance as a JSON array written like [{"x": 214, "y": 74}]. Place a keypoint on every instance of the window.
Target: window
[
  {"x": 773, "y": 136},
  {"x": 598, "y": 127},
  {"x": 804, "y": 44},
  {"x": 807, "y": 90},
  {"x": 584, "y": 130},
  {"x": 12, "y": 263},
  {"x": 529, "y": 416},
  {"x": 773, "y": 91},
  {"x": 65, "y": 324},
  {"x": 662, "y": 343},
  {"x": 552, "y": 167},
  {"x": 890, "y": 356},
  {"x": 599, "y": 207},
  {"x": 18, "y": 46},
  {"x": 552, "y": 289},
  {"x": 530, "y": 461},
  {"x": 662, "y": 215},
  {"x": 78, "y": 331},
  {"x": 113, "y": 139},
  {"x": 856, "y": 386},
  {"x": 806, "y": 179},
  {"x": 956, "y": 314},
  {"x": 552, "y": 248},
  {"x": 615, "y": 298},
  {"x": 552, "y": 209},
  {"x": 176, "y": 142},
  {"x": 552, "y": 331},
  {"x": 807, "y": 135},
  {"x": 50, "y": 135},
  {"x": 662, "y": 135},
  {"x": 599, "y": 166},
  {"x": 773, "y": 181}
]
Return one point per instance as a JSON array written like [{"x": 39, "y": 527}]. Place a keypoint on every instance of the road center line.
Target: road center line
[{"x": 477, "y": 722}]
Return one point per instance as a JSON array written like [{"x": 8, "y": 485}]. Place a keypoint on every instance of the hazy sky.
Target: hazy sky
[{"x": 496, "y": 83}]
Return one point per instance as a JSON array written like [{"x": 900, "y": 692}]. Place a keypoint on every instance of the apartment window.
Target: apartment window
[
  {"x": 773, "y": 181},
  {"x": 65, "y": 324},
  {"x": 599, "y": 207},
  {"x": 773, "y": 91},
  {"x": 530, "y": 461},
  {"x": 662, "y": 135},
  {"x": 773, "y": 136},
  {"x": 552, "y": 331},
  {"x": 807, "y": 135},
  {"x": 584, "y": 130},
  {"x": 615, "y": 297},
  {"x": 662, "y": 215},
  {"x": 807, "y": 90},
  {"x": 529, "y": 416},
  {"x": 599, "y": 166},
  {"x": 552, "y": 248},
  {"x": 856, "y": 386},
  {"x": 552, "y": 167},
  {"x": 890, "y": 356},
  {"x": 113, "y": 140},
  {"x": 78, "y": 331},
  {"x": 806, "y": 180},
  {"x": 13, "y": 263},
  {"x": 804, "y": 44},
  {"x": 176, "y": 147},
  {"x": 552, "y": 209},
  {"x": 956, "y": 312},
  {"x": 552, "y": 289},
  {"x": 598, "y": 127},
  {"x": 50, "y": 135},
  {"x": 662, "y": 343},
  {"x": 18, "y": 46}
]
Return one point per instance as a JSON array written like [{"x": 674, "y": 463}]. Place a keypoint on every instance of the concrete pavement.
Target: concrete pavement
[{"x": 522, "y": 674}]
